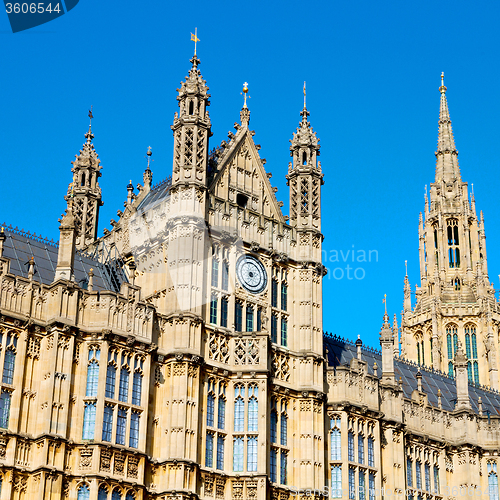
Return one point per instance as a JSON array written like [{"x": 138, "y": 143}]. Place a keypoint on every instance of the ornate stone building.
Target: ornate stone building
[{"x": 182, "y": 355}]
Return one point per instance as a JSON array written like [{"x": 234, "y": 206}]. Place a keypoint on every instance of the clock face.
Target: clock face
[{"x": 251, "y": 274}]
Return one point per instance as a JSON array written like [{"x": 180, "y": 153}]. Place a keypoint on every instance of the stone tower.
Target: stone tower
[
  {"x": 86, "y": 193},
  {"x": 455, "y": 302}
]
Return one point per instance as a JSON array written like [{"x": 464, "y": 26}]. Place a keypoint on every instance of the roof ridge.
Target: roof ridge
[{"x": 26, "y": 234}]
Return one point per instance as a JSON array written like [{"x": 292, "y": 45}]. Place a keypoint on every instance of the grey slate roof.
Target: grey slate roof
[
  {"x": 20, "y": 246},
  {"x": 158, "y": 193},
  {"x": 341, "y": 351}
]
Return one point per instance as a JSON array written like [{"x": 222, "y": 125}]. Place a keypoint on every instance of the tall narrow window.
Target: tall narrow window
[
  {"x": 436, "y": 480},
  {"x": 274, "y": 426},
  {"x": 448, "y": 345},
  {"x": 453, "y": 243},
  {"x": 121, "y": 426},
  {"x": 493, "y": 481},
  {"x": 116, "y": 495},
  {"x": 107, "y": 423},
  {"x": 238, "y": 317},
  {"x": 336, "y": 472},
  {"x": 409, "y": 472},
  {"x": 371, "y": 486},
  {"x": 474, "y": 344},
  {"x": 225, "y": 276},
  {"x": 467, "y": 345},
  {"x": 336, "y": 449},
  {"x": 137, "y": 389},
  {"x": 371, "y": 454},
  {"x": 469, "y": 371},
  {"x": 103, "y": 493},
  {"x": 110, "y": 381},
  {"x": 362, "y": 493},
  {"x": 209, "y": 450},
  {"x": 213, "y": 309},
  {"x": 352, "y": 484},
  {"x": 5, "y": 399},
  {"x": 284, "y": 296},
  {"x": 134, "y": 430},
  {"x": 455, "y": 343},
  {"x": 283, "y": 468},
  {"x": 476, "y": 372},
  {"x": 83, "y": 492},
  {"x": 221, "y": 413},
  {"x": 249, "y": 318},
  {"x": 239, "y": 408},
  {"x": 427, "y": 469},
  {"x": 284, "y": 429},
  {"x": 215, "y": 272},
  {"x": 361, "y": 449},
  {"x": 238, "y": 454},
  {"x": 274, "y": 293},
  {"x": 451, "y": 372},
  {"x": 273, "y": 464},
  {"x": 252, "y": 454},
  {"x": 350, "y": 446},
  {"x": 89, "y": 421},
  {"x": 274, "y": 328},
  {"x": 220, "y": 452},
  {"x": 418, "y": 474},
  {"x": 92, "y": 373},
  {"x": 284, "y": 332},
  {"x": 210, "y": 410},
  {"x": 223, "y": 312},
  {"x": 253, "y": 409},
  {"x": 259, "y": 319},
  {"x": 123, "y": 391},
  {"x": 8, "y": 366}
]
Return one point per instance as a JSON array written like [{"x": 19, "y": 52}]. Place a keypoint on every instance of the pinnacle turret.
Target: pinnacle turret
[{"x": 84, "y": 191}]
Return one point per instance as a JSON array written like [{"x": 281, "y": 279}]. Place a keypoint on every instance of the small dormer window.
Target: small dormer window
[
  {"x": 241, "y": 200},
  {"x": 83, "y": 179},
  {"x": 191, "y": 107},
  {"x": 304, "y": 158}
]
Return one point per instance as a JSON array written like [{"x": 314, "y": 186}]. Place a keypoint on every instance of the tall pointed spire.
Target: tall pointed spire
[{"x": 447, "y": 168}]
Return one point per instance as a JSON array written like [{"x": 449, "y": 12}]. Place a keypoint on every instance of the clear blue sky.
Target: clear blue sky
[{"x": 372, "y": 71}]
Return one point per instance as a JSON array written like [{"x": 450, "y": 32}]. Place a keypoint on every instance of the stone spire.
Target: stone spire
[
  {"x": 447, "y": 168},
  {"x": 191, "y": 128},
  {"x": 67, "y": 247},
  {"x": 85, "y": 192}
]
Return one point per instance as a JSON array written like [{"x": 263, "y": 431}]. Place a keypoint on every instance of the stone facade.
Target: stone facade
[{"x": 182, "y": 355}]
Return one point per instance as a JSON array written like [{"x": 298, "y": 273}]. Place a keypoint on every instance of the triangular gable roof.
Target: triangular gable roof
[{"x": 243, "y": 152}]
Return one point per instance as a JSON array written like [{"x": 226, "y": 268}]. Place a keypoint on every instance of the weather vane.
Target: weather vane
[
  {"x": 195, "y": 39},
  {"x": 91, "y": 115},
  {"x": 245, "y": 92}
]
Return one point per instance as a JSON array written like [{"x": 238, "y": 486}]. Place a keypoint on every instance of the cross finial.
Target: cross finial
[
  {"x": 304, "y": 95},
  {"x": 195, "y": 39},
  {"x": 245, "y": 92}
]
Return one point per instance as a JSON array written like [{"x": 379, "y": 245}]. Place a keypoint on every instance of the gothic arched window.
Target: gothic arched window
[
  {"x": 83, "y": 492},
  {"x": 103, "y": 493},
  {"x": 253, "y": 408},
  {"x": 493, "y": 481},
  {"x": 93, "y": 372},
  {"x": 111, "y": 374},
  {"x": 239, "y": 408}
]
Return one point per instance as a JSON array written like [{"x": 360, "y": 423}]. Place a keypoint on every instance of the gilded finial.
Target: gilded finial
[
  {"x": 406, "y": 267},
  {"x": 195, "y": 39},
  {"x": 384, "y": 300},
  {"x": 245, "y": 92},
  {"x": 149, "y": 153},
  {"x": 442, "y": 89},
  {"x": 304, "y": 95}
]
